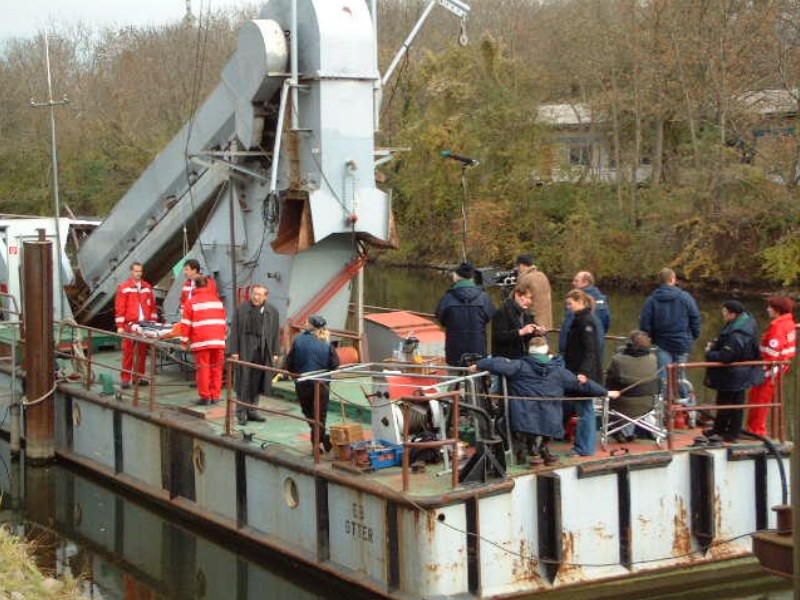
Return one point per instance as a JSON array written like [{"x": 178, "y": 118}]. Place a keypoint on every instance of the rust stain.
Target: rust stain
[
  {"x": 568, "y": 571},
  {"x": 726, "y": 551},
  {"x": 525, "y": 569},
  {"x": 717, "y": 509},
  {"x": 682, "y": 537},
  {"x": 601, "y": 532},
  {"x": 431, "y": 524}
]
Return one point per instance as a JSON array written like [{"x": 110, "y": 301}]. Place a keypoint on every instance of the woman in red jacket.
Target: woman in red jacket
[{"x": 777, "y": 344}]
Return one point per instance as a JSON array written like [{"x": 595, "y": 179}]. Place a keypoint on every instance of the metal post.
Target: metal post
[
  {"x": 670, "y": 392},
  {"x": 153, "y": 357},
  {"x": 51, "y": 104},
  {"x": 88, "y": 364},
  {"x": 293, "y": 61},
  {"x": 39, "y": 355},
  {"x": 456, "y": 446},
  {"x": 135, "y": 376},
  {"x": 407, "y": 43},
  {"x": 464, "y": 212},
  {"x": 14, "y": 406},
  {"x": 228, "y": 398},
  {"x": 360, "y": 312},
  {"x": 315, "y": 434},
  {"x": 406, "y": 449},
  {"x": 232, "y": 226},
  {"x": 376, "y": 85}
]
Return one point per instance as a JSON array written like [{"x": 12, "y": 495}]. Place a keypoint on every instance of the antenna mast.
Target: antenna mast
[{"x": 54, "y": 157}]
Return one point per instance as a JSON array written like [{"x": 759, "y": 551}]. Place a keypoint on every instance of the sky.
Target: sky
[{"x": 24, "y": 18}]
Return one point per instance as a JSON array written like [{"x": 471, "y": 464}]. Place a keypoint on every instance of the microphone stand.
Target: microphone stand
[{"x": 464, "y": 198}]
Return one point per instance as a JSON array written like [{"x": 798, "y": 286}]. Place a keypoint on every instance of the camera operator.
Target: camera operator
[
  {"x": 513, "y": 325},
  {"x": 532, "y": 278}
]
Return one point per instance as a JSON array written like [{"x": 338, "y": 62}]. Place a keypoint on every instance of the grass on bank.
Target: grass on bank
[{"x": 21, "y": 579}]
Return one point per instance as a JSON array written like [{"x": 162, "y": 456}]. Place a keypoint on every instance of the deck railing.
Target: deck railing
[
  {"x": 85, "y": 355},
  {"x": 777, "y": 425}
]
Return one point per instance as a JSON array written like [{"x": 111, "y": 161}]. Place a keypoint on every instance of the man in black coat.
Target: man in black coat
[
  {"x": 464, "y": 311},
  {"x": 254, "y": 337},
  {"x": 737, "y": 342}
]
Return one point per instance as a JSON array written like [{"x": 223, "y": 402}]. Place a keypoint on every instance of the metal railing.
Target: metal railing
[
  {"x": 91, "y": 364},
  {"x": 777, "y": 417}
]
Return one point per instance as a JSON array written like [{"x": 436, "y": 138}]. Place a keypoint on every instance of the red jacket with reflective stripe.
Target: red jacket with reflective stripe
[
  {"x": 204, "y": 320},
  {"x": 778, "y": 342},
  {"x": 130, "y": 298},
  {"x": 188, "y": 290}
]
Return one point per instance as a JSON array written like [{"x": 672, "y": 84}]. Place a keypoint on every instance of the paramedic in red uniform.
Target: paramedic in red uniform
[
  {"x": 192, "y": 270},
  {"x": 135, "y": 302},
  {"x": 204, "y": 323},
  {"x": 778, "y": 343}
]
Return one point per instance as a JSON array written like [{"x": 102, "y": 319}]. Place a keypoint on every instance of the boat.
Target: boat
[{"x": 273, "y": 182}]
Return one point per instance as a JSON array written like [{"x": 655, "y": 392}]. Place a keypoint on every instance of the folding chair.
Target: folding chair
[{"x": 613, "y": 421}]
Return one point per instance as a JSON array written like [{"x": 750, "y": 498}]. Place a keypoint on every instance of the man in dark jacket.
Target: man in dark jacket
[
  {"x": 634, "y": 368},
  {"x": 671, "y": 317},
  {"x": 464, "y": 311},
  {"x": 537, "y": 375},
  {"x": 584, "y": 281},
  {"x": 254, "y": 337},
  {"x": 737, "y": 342},
  {"x": 513, "y": 325},
  {"x": 312, "y": 351}
]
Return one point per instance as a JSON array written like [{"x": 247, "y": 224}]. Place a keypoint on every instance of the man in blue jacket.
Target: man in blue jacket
[
  {"x": 671, "y": 317},
  {"x": 584, "y": 281},
  {"x": 464, "y": 311},
  {"x": 737, "y": 342}
]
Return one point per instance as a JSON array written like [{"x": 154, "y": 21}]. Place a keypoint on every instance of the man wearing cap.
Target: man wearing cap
[
  {"x": 254, "y": 337},
  {"x": 533, "y": 278},
  {"x": 464, "y": 311},
  {"x": 584, "y": 281},
  {"x": 737, "y": 342}
]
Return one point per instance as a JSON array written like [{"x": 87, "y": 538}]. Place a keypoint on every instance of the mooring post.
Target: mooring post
[{"x": 37, "y": 270}]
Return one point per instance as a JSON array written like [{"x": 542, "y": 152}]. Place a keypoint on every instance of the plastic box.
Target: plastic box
[{"x": 388, "y": 455}]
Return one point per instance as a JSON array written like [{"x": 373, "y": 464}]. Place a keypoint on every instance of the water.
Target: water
[
  {"x": 125, "y": 548},
  {"x": 122, "y": 548}
]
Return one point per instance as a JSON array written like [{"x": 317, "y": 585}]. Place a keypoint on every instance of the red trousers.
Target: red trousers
[
  {"x": 129, "y": 350},
  {"x": 757, "y": 417},
  {"x": 210, "y": 363}
]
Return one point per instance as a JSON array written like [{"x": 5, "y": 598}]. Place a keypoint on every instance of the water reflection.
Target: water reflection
[{"x": 125, "y": 550}]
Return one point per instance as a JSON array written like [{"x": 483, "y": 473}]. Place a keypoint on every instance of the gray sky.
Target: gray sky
[{"x": 24, "y": 18}]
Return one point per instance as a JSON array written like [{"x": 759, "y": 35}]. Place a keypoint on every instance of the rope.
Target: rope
[{"x": 40, "y": 398}]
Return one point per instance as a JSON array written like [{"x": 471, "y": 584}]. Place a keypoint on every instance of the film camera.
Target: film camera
[{"x": 494, "y": 277}]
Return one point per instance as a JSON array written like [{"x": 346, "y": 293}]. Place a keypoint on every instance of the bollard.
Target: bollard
[{"x": 37, "y": 268}]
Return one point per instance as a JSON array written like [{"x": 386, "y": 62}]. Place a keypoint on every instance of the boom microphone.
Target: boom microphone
[{"x": 466, "y": 160}]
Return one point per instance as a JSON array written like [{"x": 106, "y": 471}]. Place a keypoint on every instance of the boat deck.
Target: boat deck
[{"x": 173, "y": 398}]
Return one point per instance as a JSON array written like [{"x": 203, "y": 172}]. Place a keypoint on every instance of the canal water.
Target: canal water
[{"x": 124, "y": 547}]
